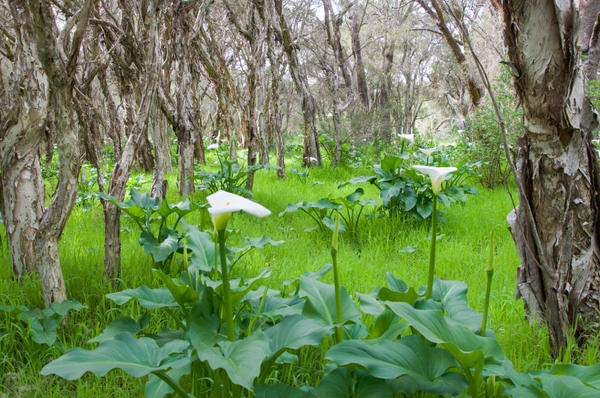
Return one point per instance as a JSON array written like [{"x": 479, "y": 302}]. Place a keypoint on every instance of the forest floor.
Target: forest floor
[{"x": 381, "y": 245}]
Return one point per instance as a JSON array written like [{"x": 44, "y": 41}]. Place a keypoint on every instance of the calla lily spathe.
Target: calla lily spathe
[
  {"x": 428, "y": 151},
  {"x": 407, "y": 137},
  {"x": 436, "y": 174},
  {"x": 223, "y": 203}
]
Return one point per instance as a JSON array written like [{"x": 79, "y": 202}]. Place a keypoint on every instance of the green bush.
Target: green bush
[{"x": 484, "y": 137}]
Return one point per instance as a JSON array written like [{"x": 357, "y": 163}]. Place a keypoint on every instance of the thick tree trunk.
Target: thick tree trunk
[
  {"x": 48, "y": 267},
  {"x": 556, "y": 223},
  {"x": 22, "y": 190}
]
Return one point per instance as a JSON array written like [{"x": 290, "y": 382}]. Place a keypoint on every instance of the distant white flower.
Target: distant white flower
[
  {"x": 330, "y": 115},
  {"x": 223, "y": 203},
  {"x": 213, "y": 146},
  {"x": 436, "y": 174},
  {"x": 428, "y": 151},
  {"x": 407, "y": 137}
]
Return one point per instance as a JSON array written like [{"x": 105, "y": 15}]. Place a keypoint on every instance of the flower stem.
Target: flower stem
[
  {"x": 226, "y": 289},
  {"x": 432, "y": 249},
  {"x": 216, "y": 269},
  {"x": 490, "y": 272},
  {"x": 339, "y": 331}
]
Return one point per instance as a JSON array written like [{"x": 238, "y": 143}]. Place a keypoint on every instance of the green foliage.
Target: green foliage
[
  {"x": 43, "y": 323},
  {"x": 483, "y": 134},
  {"x": 349, "y": 154},
  {"x": 442, "y": 353},
  {"x": 404, "y": 190},
  {"x": 464, "y": 252},
  {"x": 158, "y": 235},
  {"x": 230, "y": 176},
  {"x": 349, "y": 207}
]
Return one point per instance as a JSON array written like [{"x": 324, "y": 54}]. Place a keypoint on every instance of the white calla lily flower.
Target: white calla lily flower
[
  {"x": 212, "y": 146},
  {"x": 436, "y": 174},
  {"x": 428, "y": 151},
  {"x": 223, "y": 203},
  {"x": 407, "y": 137}
]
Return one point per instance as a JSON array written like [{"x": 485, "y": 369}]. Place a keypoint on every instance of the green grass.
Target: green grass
[{"x": 363, "y": 262}]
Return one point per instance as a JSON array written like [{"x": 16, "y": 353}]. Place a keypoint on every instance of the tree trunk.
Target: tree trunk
[
  {"x": 311, "y": 153},
  {"x": 112, "y": 240},
  {"x": 48, "y": 267},
  {"x": 145, "y": 160},
  {"x": 555, "y": 226},
  {"x": 199, "y": 148},
  {"x": 437, "y": 15},
  {"x": 22, "y": 190},
  {"x": 361, "y": 79},
  {"x": 185, "y": 166},
  {"x": 162, "y": 153}
]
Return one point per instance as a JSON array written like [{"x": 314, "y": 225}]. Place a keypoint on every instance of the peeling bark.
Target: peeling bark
[{"x": 559, "y": 278}]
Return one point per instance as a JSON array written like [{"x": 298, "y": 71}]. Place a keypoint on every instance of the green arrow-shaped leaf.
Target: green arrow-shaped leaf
[{"x": 137, "y": 357}]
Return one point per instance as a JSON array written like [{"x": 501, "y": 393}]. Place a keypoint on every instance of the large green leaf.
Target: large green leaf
[
  {"x": 181, "y": 209},
  {"x": 453, "y": 296},
  {"x": 123, "y": 324},
  {"x": 157, "y": 388},
  {"x": 410, "y": 356},
  {"x": 386, "y": 326},
  {"x": 388, "y": 194},
  {"x": 160, "y": 250},
  {"x": 424, "y": 207},
  {"x": 369, "y": 304},
  {"x": 468, "y": 348},
  {"x": 295, "y": 332},
  {"x": 148, "y": 298},
  {"x": 272, "y": 306},
  {"x": 390, "y": 163},
  {"x": 340, "y": 383},
  {"x": 281, "y": 391},
  {"x": 202, "y": 246},
  {"x": 590, "y": 375},
  {"x": 181, "y": 292},
  {"x": 204, "y": 332},
  {"x": 138, "y": 207},
  {"x": 239, "y": 288},
  {"x": 262, "y": 242},
  {"x": 137, "y": 357},
  {"x": 561, "y": 386},
  {"x": 240, "y": 359},
  {"x": 320, "y": 302},
  {"x": 358, "y": 180}
]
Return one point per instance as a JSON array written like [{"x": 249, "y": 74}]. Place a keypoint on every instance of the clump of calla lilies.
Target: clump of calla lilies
[{"x": 222, "y": 204}]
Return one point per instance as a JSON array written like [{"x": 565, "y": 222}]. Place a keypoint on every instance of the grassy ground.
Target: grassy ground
[{"x": 364, "y": 260}]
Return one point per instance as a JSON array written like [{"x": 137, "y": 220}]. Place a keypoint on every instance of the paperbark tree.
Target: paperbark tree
[
  {"x": 556, "y": 224},
  {"x": 435, "y": 11},
  {"x": 274, "y": 11},
  {"x": 134, "y": 43},
  {"x": 45, "y": 66}
]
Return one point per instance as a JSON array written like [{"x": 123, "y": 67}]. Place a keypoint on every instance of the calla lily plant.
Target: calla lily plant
[
  {"x": 437, "y": 176},
  {"x": 222, "y": 204}
]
